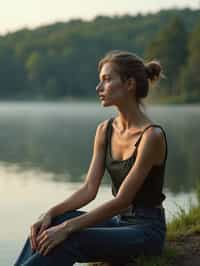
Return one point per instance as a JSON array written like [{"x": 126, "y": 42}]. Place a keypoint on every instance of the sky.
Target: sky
[{"x": 17, "y": 14}]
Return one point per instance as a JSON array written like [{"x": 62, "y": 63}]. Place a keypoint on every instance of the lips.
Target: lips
[{"x": 101, "y": 97}]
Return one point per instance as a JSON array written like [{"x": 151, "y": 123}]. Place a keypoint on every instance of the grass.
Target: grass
[{"x": 184, "y": 224}]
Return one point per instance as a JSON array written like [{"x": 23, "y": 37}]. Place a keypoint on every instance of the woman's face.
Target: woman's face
[{"x": 110, "y": 89}]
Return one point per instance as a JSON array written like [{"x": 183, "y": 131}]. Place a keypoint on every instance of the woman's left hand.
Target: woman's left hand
[{"x": 51, "y": 237}]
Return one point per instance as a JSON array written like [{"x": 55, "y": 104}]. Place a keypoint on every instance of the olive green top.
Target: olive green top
[{"x": 150, "y": 194}]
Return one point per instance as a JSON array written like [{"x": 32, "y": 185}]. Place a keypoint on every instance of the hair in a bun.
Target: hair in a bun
[
  {"x": 153, "y": 70},
  {"x": 129, "y": 65}
]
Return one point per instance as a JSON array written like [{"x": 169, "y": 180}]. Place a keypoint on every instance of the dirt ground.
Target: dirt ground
[{"x": 188, "y": 248}]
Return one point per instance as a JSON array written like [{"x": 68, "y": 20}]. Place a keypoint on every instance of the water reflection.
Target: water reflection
[
  {"x": 26, "y": 193},
  {"x": 46, "y": 150},
  {"x": 58, "y": 138}
]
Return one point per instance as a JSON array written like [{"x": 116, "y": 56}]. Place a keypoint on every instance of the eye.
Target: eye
[{"x": 107, "y": 78}]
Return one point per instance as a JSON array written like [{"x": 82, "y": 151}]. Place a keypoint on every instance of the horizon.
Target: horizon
[{"x": 40, "y": 14}]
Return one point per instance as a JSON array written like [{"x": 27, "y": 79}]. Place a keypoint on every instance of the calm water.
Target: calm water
[{"x": 46, "y": 150}]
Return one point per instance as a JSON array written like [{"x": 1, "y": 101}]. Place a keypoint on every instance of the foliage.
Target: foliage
[
  {"x": 185, "y": 223},
  {"x": 170, "y": 47},
  {"x": 190, "y": 79},
  {"x": 60, "y": 60}
]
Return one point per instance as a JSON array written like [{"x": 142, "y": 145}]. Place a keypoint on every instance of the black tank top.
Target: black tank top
[{"x": 150, "y": 194}]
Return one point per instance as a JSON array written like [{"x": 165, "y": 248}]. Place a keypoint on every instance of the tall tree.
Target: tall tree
[
  {"x": 189, "y": 80},
  {"x": 12, "y": 74},
  {"x": 170, "y": 48}
]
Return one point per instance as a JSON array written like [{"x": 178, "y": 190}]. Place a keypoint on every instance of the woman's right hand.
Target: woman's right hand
[{"x": 37, "y": 228}]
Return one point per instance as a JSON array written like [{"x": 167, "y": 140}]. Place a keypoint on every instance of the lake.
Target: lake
[{"x": 46, "y": 150}]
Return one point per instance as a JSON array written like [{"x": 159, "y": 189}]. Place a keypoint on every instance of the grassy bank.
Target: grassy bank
[
  {"x": 183, "y": 241},
  {"x": 186, "y": 223}
]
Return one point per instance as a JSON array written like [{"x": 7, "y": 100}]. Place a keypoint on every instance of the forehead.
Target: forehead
[{"x": 108, "y": 69}]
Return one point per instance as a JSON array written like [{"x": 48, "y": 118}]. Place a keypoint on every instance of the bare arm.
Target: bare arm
[
  {"x": 87, "y": 192},
  {"x": 150, "y": 150}
]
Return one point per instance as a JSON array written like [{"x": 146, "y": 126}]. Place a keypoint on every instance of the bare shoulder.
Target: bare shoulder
[
  {"x": 101, "y": 128},
  {"x": 153, "y": 144},
  {"x": 101, "y": 132},
  {"x": 153, "y": 135}
]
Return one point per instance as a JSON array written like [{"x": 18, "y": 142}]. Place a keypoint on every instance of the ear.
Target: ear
[{"x": 131, "y": 84}]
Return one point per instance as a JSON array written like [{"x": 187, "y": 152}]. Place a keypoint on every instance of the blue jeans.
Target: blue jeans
[{"x": 117, "y": 240}]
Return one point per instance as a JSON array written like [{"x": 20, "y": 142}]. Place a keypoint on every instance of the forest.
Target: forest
[{"x": 59, "y": 61}]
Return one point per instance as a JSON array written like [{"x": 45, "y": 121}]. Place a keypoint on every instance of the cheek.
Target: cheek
[
  {"x": 114, "y": 86},
  {"x": 116, "y": 90}
]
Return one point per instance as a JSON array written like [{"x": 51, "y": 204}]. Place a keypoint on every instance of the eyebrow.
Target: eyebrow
[{"x": 104, "y": 75}]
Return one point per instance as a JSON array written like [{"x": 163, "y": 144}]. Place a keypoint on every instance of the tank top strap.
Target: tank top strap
[
  {"x": 164, "y": 134},
  {"x": 108, "y": 132}
]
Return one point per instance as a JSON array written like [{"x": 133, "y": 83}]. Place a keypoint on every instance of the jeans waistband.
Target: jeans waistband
[{"x": 154, "y": 212}]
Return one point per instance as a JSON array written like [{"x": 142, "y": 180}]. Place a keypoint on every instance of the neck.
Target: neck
[{"x": 131, "y": 116}]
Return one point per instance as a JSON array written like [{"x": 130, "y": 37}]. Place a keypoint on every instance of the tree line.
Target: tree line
[{"x": 59, "y": 61}]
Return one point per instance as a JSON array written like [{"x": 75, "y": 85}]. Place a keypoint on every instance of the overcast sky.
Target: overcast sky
[{"x": 16, "y": 14}]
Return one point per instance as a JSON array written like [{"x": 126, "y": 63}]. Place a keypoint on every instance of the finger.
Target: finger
[
  {"x": 42, "y": 228},
  {"x": 31, "y": 242},
  {"x": 42, "y": 241},
  {"x": 41, "y": 236},
  {"x": 49, "y": 248},
  {"x": 44, "y": 247},
  {"x": 32, "y": 238}
]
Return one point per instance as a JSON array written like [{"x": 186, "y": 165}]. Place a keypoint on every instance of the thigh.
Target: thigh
[
  {"x": 72, "y": 214},
  {"x": 121, "y": 243}
]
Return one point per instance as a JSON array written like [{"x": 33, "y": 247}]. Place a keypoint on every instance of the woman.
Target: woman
[{"x": 134, "y": 151}]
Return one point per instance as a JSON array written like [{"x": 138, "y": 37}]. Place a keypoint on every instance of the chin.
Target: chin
[{"x": 105, "y": 104}]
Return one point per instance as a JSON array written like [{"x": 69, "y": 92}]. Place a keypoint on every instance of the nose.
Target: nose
[{"x": 99, "y": 87}]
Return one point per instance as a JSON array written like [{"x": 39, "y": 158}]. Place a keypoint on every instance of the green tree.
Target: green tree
[
  {"x": 12, "y": 74},
  {"x": 35, "y": 71},
  {"x": 189, "y": 80},
  {"x": 60, "y": 60},
  {"x": 170, "y": 48}
]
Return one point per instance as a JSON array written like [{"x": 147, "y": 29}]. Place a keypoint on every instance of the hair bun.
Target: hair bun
[{"x": 153, "y": 70}]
